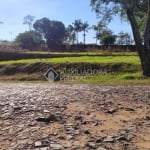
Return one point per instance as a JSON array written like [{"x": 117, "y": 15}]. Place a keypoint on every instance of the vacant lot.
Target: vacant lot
[{"x": 80, "y": 117}]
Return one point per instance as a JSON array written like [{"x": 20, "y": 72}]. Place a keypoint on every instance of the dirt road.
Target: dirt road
[{"x": 74, "y": 117}]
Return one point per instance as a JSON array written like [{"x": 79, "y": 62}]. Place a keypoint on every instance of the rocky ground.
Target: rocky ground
[{"x": 74, "y": 117}]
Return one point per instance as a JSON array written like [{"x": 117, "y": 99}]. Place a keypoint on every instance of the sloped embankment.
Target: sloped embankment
[{"x": 35, "y": 71}]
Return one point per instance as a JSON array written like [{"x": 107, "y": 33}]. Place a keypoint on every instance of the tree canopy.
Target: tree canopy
[
  {"x": 29, "y": 40},
  {"x": 107, "y": 37},
  {"x": 124, "y": 38},
  {"x": 52, "y": 31},
  {"x": 85, "y": 27},
  {"x": 134, "y": 11},
  {"x": 70, "y": 34},
  {"x": 77, "y": 25},
  {"x": 28, "y": 21}
]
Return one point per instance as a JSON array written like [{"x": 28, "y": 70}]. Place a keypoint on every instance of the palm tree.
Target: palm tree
[
  {"x": 70, "y": 34},
  {"x": 77, "y": 27},
  {"x": 95, "y": 28},
  {"x": 85, "y": 27},
  {"x": 98, "y": 29},
  {"x": 124, "y": 38},
  {"x": 128, "y": 39},
  {"x": 121, "y": 38}
]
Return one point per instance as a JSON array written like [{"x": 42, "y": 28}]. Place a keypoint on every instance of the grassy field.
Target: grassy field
[
  {"x": 132, "y": 59},
  {"x": 114, "y": 78},
  {"x": 92, "y": 58}
]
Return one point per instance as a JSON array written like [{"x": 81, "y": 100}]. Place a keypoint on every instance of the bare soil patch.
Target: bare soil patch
[{"x": 54, "y": 116}]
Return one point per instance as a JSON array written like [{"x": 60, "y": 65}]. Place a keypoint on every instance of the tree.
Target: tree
[
  {"x": 124, "y": 38},
  {"x": 70, "y": 34},
  {"x": 107, "y": 37},
  {"x": 84, "y": 27},
  {"x": 97, "y": 28},
  {"x": 131, "y": 10},
  {"x": 52, "y": 31},
  {"x": 28, "y": 20},
  {"x": 29, "y": 40},
  {"x": 77, "y": 27}
]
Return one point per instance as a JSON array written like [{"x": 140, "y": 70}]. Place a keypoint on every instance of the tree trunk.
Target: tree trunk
[
  {"x": 143, "y": 51},
  {"x": 147, "y": 33},
  {"x": 77, "y": 37},
  {"x": 146, "y": 69},
  {"x": 84, "y": 37},
  {"x": 73, "y": 37},
  {"x": 147, "y": 30},
  {"x": 96, "y": 37}
]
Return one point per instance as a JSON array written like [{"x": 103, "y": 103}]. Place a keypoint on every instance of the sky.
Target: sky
[{"x": 12, "y": 13}]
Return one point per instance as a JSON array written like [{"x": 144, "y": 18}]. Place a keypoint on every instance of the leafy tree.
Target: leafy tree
[
  {"x": 107, "y": 37},
  {"x": 85, "y": 27},
  {"x": 28, "y": 20},
  {"x": 52, "y": 31},
  {"x": 77, "y": 27},
  {"x": 133, "y": 11},
  {"x": 29, "y": 40}
]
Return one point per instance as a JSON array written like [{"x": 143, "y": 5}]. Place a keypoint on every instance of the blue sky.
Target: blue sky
[{"x": 12, "y": 13}]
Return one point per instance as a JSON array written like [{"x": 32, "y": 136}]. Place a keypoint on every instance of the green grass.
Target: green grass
[
  {"x": 110, "y": 78},
  {"x": 101, "y": 79},
  {"x": 100, "y": 58},
  {"x": 82, "y": 59}
]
